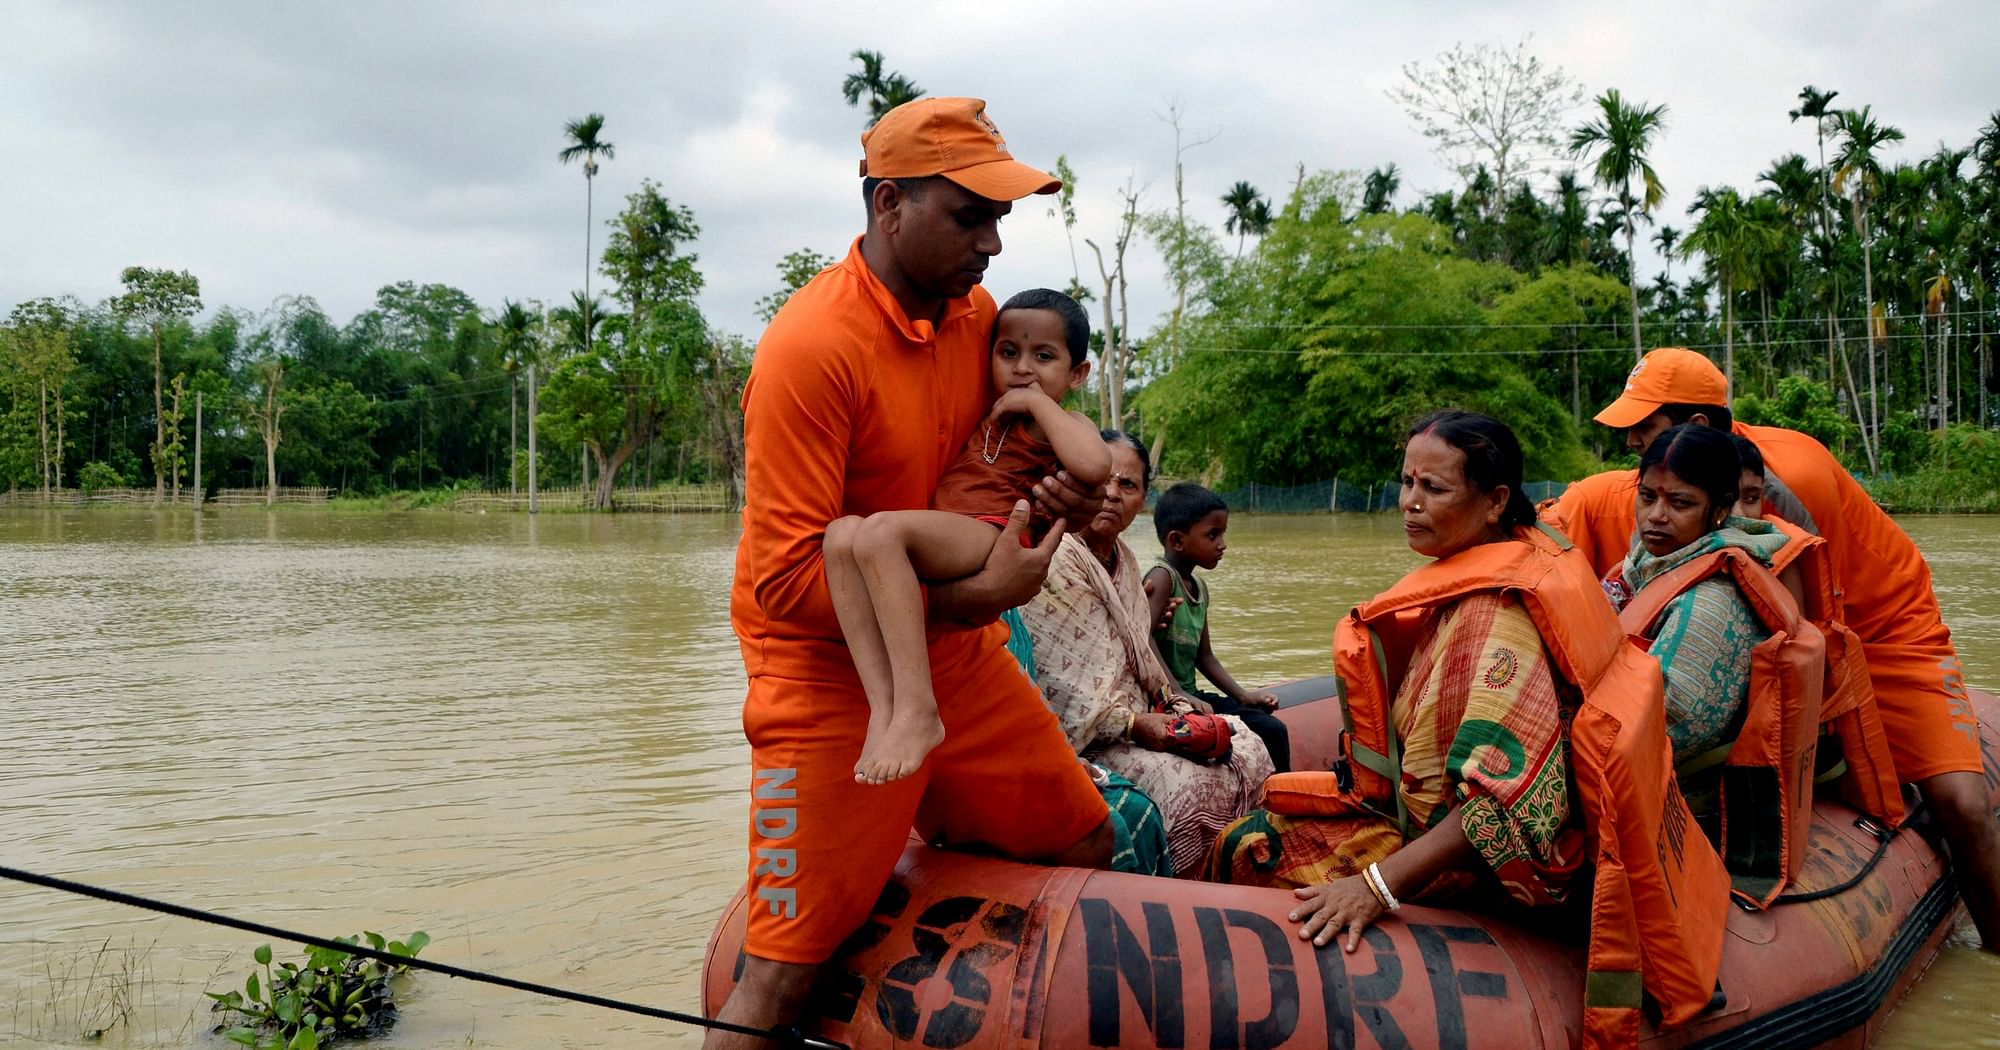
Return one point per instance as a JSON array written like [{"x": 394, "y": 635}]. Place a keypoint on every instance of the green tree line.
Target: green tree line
[{"x": 1845, "y": 295}]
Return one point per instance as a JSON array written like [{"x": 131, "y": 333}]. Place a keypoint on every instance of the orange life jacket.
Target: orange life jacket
[
  {"x": 1768, "y": 770},
  {"x": 1660, "y": 893},
  {"x": 1868, "y": 782}
]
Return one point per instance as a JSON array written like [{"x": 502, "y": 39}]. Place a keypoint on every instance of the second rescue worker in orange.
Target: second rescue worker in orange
[{"x": 1886, "y": 597}]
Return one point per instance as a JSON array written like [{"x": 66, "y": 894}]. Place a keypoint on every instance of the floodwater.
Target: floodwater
[{"x": 520, "y": 736}]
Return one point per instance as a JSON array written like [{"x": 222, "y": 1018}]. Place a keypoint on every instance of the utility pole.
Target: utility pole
[
  {"x": 531, "y": 439},
  {"x": 199, "y": 492},
  {"x": 420, "y": 445}
]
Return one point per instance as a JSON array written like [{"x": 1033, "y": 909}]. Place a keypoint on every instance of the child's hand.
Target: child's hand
[
  {"x": 1017, "y": 401},
  {"x": 1261, "y": 698}
]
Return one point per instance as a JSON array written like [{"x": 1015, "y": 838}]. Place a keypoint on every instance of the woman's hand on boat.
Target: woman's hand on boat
[{"x": 1327, "y": 909}]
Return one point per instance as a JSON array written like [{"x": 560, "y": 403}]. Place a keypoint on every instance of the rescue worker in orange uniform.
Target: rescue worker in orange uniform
[
  {"x": 1885, "y": 592},
  {"x": 865, "y": 387}
]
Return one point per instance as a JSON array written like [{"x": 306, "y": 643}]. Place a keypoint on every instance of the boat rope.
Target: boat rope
[
  {"x": 788, "y": 1036},
  {"x": 1884, "y": 838}
]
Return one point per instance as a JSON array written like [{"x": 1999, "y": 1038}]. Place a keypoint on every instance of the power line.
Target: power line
[
  {"x": 1625, "y": 324},
  {"x": 1334, "y": 351}
]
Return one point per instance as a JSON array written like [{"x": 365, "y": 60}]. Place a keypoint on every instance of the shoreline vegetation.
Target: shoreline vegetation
[
  {"x": 1922, "y": 493},
  {"x": 1848, "y": 290}
]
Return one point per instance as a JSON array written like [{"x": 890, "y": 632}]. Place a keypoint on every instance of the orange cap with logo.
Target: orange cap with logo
[
  {"x": 1671, "y": 375},
  {"x": 951, "y": 137}
]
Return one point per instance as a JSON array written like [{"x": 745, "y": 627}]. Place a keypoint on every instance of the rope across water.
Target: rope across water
[{"x": 788, "y": 1037}]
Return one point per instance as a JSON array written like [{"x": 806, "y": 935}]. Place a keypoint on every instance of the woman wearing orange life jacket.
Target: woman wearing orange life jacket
[
  {"x": 1458, "y": 684},
  {"x": 1744, "y": 672},
  {"x": 1478, "y": 683}
]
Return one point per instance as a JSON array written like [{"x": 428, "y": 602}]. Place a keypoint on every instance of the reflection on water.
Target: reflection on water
[{"x": 519, "y": 735}]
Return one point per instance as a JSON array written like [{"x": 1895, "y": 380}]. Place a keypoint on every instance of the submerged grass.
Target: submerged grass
[{"x": 85, "y": 993}]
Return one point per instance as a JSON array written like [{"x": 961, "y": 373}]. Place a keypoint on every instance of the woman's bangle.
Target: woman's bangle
[
  {"x": 1369, "y": 881},
  {"x": 1381, "y": 887},
  {"x": 1131, "y": 719}
]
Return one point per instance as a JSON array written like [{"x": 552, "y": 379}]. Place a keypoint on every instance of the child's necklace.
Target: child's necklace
[{"x": 987, "y": 439}]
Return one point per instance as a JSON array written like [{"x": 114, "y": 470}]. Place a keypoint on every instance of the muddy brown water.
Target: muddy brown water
[{"x": 518, "y": 735}]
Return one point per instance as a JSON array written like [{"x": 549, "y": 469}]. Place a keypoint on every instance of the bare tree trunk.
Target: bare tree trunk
[
  {"x": 1106, "y": 367},
  {"x": 59, "y": 440},
  {"x": 270, "y": 470},
  {"x": 42, "y": 428},
  {"x": 513, "y": 445},
  {"x": 1728, "y": 340},
  {"x": 589, "y": 167},
  {"x": 1632, "y": 281},
  {"x": 159, "y": 424},
  {"x": 1867, "y": 442},
  {"x": 1868, "y": 316},
  {"x": 1575, "y": 380},
  {"x": 175, "y": 459},
  {"x": 1944, "y": 377}
]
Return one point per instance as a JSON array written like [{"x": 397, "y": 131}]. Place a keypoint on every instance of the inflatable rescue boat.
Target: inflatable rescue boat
[{"x": 969, "y": 951}]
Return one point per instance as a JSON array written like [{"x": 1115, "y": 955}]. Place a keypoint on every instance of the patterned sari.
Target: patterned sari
[
  {"x": 1483, "y": 727},
  {"x": 1704, "y": 638},
  {"x": 1096, "y": 666}
]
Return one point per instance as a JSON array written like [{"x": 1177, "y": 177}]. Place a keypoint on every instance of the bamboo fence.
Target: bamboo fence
[
  {"x": 255, "y": 497},
  {"x": 94, "y": 497},
  {"x": 669, "y": 499}
]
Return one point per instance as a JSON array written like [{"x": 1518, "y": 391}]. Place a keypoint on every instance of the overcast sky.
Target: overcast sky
[{"x": 329, "y": 149}]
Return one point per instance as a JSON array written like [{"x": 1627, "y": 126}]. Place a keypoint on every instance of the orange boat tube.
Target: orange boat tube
[{"x": 967, "y": 951}]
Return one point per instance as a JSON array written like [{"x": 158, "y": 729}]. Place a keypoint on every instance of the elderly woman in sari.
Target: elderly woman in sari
[
  {"x": 1483, "y": 787},
  {"x": 1099, "y": 673}
]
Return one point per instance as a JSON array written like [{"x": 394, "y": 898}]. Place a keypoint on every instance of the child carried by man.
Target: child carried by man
[{"x": 875, "y": 566}]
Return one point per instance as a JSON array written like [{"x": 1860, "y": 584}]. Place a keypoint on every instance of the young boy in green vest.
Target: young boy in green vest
[{"x": 1192, "y": 523}]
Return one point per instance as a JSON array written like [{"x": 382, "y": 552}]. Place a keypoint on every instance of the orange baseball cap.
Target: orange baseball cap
[
  {"x": 1671, "y": 375},
  {"x": 951, "y": 137}
]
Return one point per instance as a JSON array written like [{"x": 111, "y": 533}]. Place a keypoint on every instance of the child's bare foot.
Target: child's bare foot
[
  {"x": 900, "y": 751},
  {"x": 878, "y": 727}
]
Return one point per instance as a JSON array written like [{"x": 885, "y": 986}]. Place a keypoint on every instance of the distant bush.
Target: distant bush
[{"x": 97, "y": 474}]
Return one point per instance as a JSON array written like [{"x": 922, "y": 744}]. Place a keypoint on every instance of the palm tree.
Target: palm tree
[
  {"x": 1734, "y": 245},
  {"x": 513, "y": 330},
  {"x": 1861, "y": 169},
  {"x": 1242, "y": 200},
  {"x": 1379, "y": 189},
  {"x": 584, "y": 142},
  {"x": 1567, "y": 238},
  {"x": 1818, "y": 105},
  {"x": 885, "y": 90},
  {"x": 1620, "y": 137},
  {"x": 1665, "y": 238}
]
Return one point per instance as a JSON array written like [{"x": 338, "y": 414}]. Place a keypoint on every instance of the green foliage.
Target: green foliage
[
  {"x": 644, "y": 255},
  {"x": 794, "y": 270},
  {"x": 1960, "y": 474},
  {"x": 885, "y": 90},
  {"x": 1319, "y": 350},
  {"x": 96, "y": 475},
  {"x": 1800, "y": 404},
  {"x": 333, "y": 994}
]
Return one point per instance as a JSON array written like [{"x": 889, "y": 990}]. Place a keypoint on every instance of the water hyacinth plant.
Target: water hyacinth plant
[{"x": 334, "y": 994}]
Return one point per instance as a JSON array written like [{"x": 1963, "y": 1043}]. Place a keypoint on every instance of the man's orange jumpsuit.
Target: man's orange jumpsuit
[
  {"x": 851, "y": 408},
  {"x": 1885, "y": 590}
]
